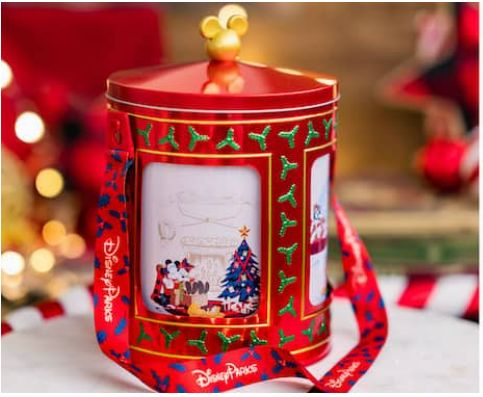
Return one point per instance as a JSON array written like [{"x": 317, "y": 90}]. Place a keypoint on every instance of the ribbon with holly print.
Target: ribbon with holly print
[{"x": 235, "y": 368}]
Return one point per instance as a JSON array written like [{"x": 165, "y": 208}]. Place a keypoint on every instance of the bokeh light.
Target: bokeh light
[
  {"x": 42, "y": 260},
  {"x": 53, "y": 232},
  {"x": 6, "y": 75},
  {"x": 72, "y": 246},
  {"x": 12, "y": 263},
  {"x": 12, "y": 287},
  {"x": 29, "y": 127},
  {"x": 49, "y": 182}
]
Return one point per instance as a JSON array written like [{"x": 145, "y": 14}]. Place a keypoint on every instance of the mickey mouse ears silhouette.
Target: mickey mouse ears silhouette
[{"x": 223, "y": 32}]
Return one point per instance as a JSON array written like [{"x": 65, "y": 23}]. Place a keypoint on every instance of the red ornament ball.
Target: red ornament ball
[
  {"x": 52, "y": 100},
  {"x": 440, "y": 162},
  {"x": 96, "y": 118},
  {"x": 86, "y": 163}
]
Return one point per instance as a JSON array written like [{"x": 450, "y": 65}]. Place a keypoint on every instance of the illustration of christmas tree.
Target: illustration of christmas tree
[{"x": 242, "y": 279}]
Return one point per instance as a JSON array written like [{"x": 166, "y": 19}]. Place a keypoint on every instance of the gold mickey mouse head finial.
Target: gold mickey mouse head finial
[{"x": 223, "y": 32}]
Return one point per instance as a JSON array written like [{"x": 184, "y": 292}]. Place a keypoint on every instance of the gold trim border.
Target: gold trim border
[
  {"x": 189, "y": 357},
  {"x": 303, "y": 316},
  {"x": 269, "y": 256},
  {"x": 233, "y": 122},
  {"x": 198, "y": 155},
  {"x": 196, "y": 325}
]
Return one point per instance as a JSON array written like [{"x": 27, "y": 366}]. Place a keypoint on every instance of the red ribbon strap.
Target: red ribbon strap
[{"x": 223, "y": 371}]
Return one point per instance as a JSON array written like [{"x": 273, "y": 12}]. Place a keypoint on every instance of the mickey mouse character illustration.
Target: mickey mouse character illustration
[
  {"x": 160, "y": 293},
  {"x": 170, "y": 286},
  {"x": 171, "y": 282}
]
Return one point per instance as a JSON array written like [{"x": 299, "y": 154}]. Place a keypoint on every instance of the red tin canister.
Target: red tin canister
[{"x": 212, "y": 228}]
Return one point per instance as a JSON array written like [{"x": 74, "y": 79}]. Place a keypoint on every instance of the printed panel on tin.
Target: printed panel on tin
[
  {"x": 200, "y": 240},
  {"x": 319, "y": 223}
]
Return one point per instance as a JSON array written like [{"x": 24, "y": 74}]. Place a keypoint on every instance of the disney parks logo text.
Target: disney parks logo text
[
  {"x": 111, "y": 291},
  {"x": 343, "y": 374},
  {"x": 208, "y": 377}
]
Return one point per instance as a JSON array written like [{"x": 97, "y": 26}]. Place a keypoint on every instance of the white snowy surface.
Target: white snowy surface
[{"x": 426, "y": 352}]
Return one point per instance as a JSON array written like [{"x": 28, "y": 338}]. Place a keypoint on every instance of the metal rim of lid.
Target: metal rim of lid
[
  {"x": 328, "y": 81},
  {"x": 222, "y": 111}
]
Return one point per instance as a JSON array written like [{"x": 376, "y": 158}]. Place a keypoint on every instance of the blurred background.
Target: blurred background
[{"x": 407, "y": 166}]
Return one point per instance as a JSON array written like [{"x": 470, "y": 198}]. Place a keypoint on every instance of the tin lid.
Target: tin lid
[{"x": 223, "y": 84}]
